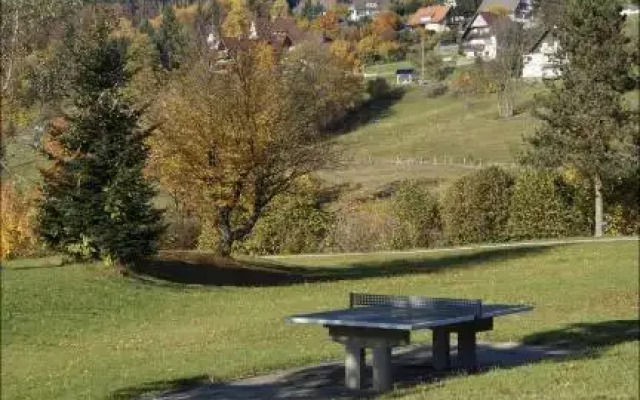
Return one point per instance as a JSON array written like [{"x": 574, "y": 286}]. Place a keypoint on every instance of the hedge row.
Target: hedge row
[{"x": 489, "y": 205}]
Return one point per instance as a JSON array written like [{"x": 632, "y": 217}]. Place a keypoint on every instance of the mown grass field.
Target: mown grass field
[{"x": 82, "y": 332}]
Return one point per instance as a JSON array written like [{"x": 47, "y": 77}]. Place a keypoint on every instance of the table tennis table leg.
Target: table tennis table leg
[
  {"x": 354, "y": 365},
  {"x": 382, "y": 368},
  {"x": 467, "y": 349},
  {"x": 440, "y": 350}
]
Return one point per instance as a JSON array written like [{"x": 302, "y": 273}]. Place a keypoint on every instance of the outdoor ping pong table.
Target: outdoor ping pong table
[{"x": 381, "y": 322}]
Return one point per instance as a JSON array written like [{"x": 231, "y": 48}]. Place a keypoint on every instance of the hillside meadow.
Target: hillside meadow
[{"x": 81, "y": 331}]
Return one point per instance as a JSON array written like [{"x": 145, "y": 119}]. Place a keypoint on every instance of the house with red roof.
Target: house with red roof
[{"x": 432, "y": 18}]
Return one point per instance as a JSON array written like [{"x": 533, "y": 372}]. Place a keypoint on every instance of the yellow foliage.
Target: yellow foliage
[
  {"x": 236, "y": 22},
  {"x": 344, "y": 51},
  {"x": 16, "y": 231},
  {"x": 329, "y": 23},
  {"x": 384, "y": 21}
]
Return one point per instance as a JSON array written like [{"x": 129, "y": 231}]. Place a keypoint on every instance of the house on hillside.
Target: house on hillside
[
  {"x": 630, "y": 9},
  {"x": 283, "y": 34},
  {"x": 360, "y": 9},
  {"x": 405, "y": 76},
  {"x": 479, "y": 38},
  {"x": 537, "y": 63},
  {"x": 431, "y": 18}
]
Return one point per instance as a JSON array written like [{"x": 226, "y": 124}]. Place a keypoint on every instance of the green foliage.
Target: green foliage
[
  {"x": 407, "y": 7},
  {"x": 434, "y": 67},
  {"x": 419, "y": 211},
  {"x": 476, "y": 207},
  {"x": 96, "y": 203},
  {"x": 311, "y": 11},
  {"x": 171, "y": 40},
  {"x": 379, "y": 89},
  {"x": 585, "y": 125},
  {"x": 293, "y": 224},
  {"x": 543, "y": 205},
  {"x": 622, "y": 214}
]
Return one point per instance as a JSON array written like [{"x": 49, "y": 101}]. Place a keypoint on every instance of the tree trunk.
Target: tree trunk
[
  {"x": 597, "y": 187},
  {"x": 226, "y": 235}
]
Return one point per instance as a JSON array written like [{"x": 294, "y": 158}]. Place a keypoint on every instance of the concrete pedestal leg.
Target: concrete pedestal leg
[
  {"x": 354, "y": 365},
  {"x": 382, "y": 368},
  {"x": 467, "y": 349},
  {"x": 441, "y": 349}
]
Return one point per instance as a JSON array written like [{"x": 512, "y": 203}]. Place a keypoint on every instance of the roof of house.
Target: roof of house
[
  {"x": 544, "y": 35},
  {"x": 509, "y": 5},
  {"x": 434, "y": 14},
  {"x": 279, "y": 32},
  {"x": 488, "y": 17}
]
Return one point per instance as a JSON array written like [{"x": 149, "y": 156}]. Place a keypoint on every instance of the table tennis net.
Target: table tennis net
[{"x": 443, "y": 305}]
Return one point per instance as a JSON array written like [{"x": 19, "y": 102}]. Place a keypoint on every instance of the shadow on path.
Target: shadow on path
[{"x": 411, "y": 367}]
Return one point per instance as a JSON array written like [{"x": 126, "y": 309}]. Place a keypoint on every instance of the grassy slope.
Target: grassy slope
[
  {"x": 78, "y": 331},
  {"x": 420, "y": 128}
]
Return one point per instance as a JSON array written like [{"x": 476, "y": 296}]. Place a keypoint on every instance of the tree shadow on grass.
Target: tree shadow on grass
[
  {"x": 194, "y": 268},
  {"x": 588, "y": 337},
  {"x": 149, "y": 389},
  {"x": 201, "y": 268},
  {"x": 397, "y": 266},
  {"x": 411, "y": 367},
  {"x": 370, "y": 111}
]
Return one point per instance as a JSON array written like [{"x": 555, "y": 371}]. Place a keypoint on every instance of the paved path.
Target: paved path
[
  {"x": 326, "y": 381},
  {"x": 534, "y": 243}
]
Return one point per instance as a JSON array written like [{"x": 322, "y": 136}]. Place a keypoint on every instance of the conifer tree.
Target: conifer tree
[
  {"x": 96, "y": 203},
  {"x": 585, "y": 125},
  {"x": 171, "y": 40}
]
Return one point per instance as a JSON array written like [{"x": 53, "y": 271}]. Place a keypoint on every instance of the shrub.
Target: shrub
[
  {"x": 379, "y": 89},
  {"x": 293, "y": 224},
  {"x": 622, "y": 209},
  {"x": 474, "y": 80},
  {"x": 181, "y": 233},
  {"x": 365, "y": 228},
  {"x": 476, "y": 207},
  {"x": 16, "y": 227},
  {"x": 435, "y": 89},
  {"x": 209, "y": 236},
  {"x": 542, "y": 205},
  {"x": 418, "y": 211}
]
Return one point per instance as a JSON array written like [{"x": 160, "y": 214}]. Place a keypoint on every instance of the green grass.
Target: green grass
[
  {"x": 416, "y": 129},
  {"x": 80, "y": 331},
  {"x": 387, "y": 68}
]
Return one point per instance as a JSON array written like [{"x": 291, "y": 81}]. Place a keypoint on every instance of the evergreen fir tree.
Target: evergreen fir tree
[
  {"x": 96, "y": 203},
  {"x": 585, "y": 125},
  {"x": 170, "y": 40}
]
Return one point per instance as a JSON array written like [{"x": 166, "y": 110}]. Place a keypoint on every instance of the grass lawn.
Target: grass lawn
[
  {"x": 79, "y": 331},
  {"x": 387, "y": 68}
]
